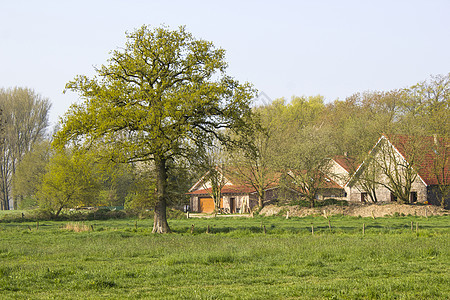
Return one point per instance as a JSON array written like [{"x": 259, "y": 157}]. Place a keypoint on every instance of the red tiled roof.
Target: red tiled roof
[
  {"x": 331, "y": 184},
  {"x": 236, "y": 184},
  {"x": 348, "y": 163},
  {"x": 328, "y": 182},
  {"x": 228, "y": 189},
  {"x": 427, "y": 154}
]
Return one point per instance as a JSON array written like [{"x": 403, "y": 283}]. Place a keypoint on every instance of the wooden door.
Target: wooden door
[
  {"x": 232, "y": 205},
  {"x": 206, "y": 205}
]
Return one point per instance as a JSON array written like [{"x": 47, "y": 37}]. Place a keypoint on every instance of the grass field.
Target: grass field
[{"x": 121, "y": 259}]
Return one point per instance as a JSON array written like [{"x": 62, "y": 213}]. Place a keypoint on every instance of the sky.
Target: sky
[{"x": 284, "y": 48}]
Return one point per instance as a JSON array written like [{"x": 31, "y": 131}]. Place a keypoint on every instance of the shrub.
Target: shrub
[
  {"x": 333, "y": 201},
  {"x": 105, "y": 214},
  {"x": 42, "y": 214}
]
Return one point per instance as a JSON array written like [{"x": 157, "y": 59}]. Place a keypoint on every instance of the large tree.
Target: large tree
[{"x": 156, "y": 99}]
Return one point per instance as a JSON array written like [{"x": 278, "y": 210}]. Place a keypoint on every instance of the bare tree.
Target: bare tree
[
  {"x": 214, "y": 160},
  {"x": 441, "y": 169},
  {"x": 254, "y": 166},
  {"x": 367, "y": 180},
  {"x": 307, "y": 161},
  {"x": 255, "y": 170},
  {"x": 399, "y": 165},
  {"x": 25, "y": 119}
]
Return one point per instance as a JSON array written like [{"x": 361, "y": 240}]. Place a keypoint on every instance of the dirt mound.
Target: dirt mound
[{"x": 356, "y": 209}]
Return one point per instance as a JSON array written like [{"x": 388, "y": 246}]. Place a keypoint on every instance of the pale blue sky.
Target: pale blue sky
[{"x": 285, "y": 48}]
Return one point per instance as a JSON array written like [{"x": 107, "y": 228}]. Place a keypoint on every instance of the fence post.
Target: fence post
[
  {"x": 364, "y": 228},
  {"x": 312, "y": 229}
]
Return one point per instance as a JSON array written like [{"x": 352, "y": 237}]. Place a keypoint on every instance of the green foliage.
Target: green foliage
[
  {"x": 428, "y": 103},
  {"x": 162, "y": 84},
  {"x": 162, "y": 97},
  {"x": 143, "y": 191},
  {"x": 24, "y": 118},
  {"x": 115, "y": 179},
  {"x": 28, "y": 202},
  {"x": 29, "y": 173},
  {"x": 69, "y": 181}
]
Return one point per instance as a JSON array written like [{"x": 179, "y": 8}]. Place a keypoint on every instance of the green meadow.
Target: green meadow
[{"x": 239, "y": 258}]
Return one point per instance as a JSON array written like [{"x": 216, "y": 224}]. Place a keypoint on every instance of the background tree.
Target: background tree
[
  {"x": 307, "y": 161},
  {"x": 299, "y": 142},
  {"x": 360, "y": 120},
  {"x": 182, "y": 174},
  {"x": 166, "y": 93},
  {"x": 368, "y": 179},
  {"x": 398, "y": 173},
  {"x": 254, "y": 166},
  {"x": 70, "y": 180},
  {"x": 29, "y": 173},
  {"x": 441, "y": 168},
  {"x": 428, "y": 103},
  {"x": 142, "y": 193},
  {"x": 25, "y": 119},
  {"x": 115, "y": 180},
  {"x": 214, "y": 162}
]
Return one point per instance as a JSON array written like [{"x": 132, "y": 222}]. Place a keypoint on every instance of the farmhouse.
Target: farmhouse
[
  {"x": 340, "y": 170},
  {"x": 237, "y": 195},
  {"x": 316, "y": 182},
  {"x": 415, "y": 169},
  {"x": 234, "y": 198},
  {"x": 398, "y": 168}
]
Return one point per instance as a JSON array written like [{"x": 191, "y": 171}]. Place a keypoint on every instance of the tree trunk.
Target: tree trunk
[
  {"x": 373, "y": 196},
  {"x": 312, "y": 200},
  {"x": 160, "y": 220},
  {"x": 260, "y": 200},
  {"x": 59, "y": 211},
  {"x": 5, "y": 194}
]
